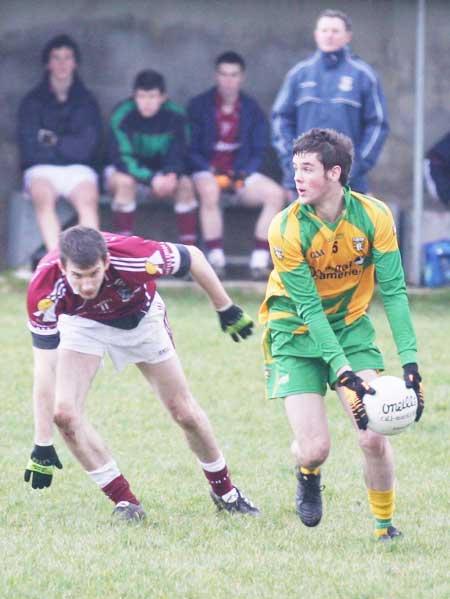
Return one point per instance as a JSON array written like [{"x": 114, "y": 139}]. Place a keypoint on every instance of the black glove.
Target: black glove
[
  {"x": 356, "y": 388},
  {"x": 413, "y": 380},
  {"x": 235, "y": 322},
  {"x": 43, "y": 458}
]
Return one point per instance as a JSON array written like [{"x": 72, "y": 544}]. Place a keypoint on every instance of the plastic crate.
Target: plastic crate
[{"x": 436, "y": 271}]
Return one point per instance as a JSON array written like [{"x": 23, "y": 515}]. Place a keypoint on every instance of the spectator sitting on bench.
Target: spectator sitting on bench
[
  {"x": 229, "y": 140},
  {"x": 437, "y": 170},
  {"x": 147, "y": 146},
  {"x": 59, "y": 128}
]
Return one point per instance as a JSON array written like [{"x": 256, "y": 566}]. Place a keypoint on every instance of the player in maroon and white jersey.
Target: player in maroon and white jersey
[{"x": 96, "y": 294}]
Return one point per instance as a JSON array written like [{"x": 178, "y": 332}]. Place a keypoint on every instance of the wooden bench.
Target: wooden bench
[{"x": 154, "y": 220}]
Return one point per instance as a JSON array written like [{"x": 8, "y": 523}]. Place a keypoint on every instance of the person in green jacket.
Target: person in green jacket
[{"x": 148, "y": 141}]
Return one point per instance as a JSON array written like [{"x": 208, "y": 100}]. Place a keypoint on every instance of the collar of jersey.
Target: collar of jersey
[{"x": 309, "y": 211}]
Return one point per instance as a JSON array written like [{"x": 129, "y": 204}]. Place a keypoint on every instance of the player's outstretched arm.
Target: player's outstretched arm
[
  {"x": 43, "y": 457},
  {"x": 233, "y": 320}
]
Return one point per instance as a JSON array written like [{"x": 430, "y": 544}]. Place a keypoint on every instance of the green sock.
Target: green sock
[{"x": 381, "y": 526}]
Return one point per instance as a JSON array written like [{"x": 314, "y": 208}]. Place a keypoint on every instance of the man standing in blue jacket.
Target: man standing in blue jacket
[
  {"x": 229, "y": 140},
  {"x": 59, "y": 128},
  {"x": 336, "y": 90}
]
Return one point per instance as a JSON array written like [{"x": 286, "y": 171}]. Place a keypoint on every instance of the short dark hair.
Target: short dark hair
[
  {"x": 148, "y": 80},
  {"x": 332, "y": 148},
  {"x": 230, "y": 57},
  {"x": 83, "y": 246},
  {"x": 60, "y": 41},
  {"x": 337, "y": 14}
]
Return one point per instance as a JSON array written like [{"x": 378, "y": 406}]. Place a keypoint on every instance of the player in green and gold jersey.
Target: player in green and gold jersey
[{"x": 326, "y": 247}]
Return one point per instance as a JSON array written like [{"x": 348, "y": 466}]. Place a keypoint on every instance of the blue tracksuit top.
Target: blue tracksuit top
[
  {"x": 253, "y": 137},
  {"x": 335, "y": 90}
]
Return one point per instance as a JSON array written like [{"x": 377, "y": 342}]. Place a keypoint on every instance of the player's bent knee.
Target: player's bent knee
[
  {"x": 313, "y": 454},
  {"x": 187, "y": 414},
  {"x": 187, "y": 419},
  {"x": 67, "y": 421},
  {"x": 372, "y": 443}
]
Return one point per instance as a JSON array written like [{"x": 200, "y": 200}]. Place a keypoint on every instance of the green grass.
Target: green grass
[{"x": 59, "y": 544}]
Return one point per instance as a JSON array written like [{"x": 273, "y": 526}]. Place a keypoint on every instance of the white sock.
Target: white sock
[
  {"x": 105, "y": 474},
  {"x": 186, "y": 207},
  {"x": 123, "y": 207},
  {"x": 216, "y": 466}
]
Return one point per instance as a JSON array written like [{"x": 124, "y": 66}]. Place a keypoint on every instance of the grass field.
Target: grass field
[{"x": 58, "y": 544}]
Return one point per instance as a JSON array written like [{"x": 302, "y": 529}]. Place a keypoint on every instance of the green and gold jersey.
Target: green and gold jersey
[{"x": 323, "y": 276}]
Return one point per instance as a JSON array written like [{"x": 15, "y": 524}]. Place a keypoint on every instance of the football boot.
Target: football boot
[
  {"x": 238, "y": 503},
  {"x": 391, "y": 533},
  {"x": 308, "y": 499},
  {"x": 126, "y": 511}
]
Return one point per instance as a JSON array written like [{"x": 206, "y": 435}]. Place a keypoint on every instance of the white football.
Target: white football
[{"x": 393, "y": 407}]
